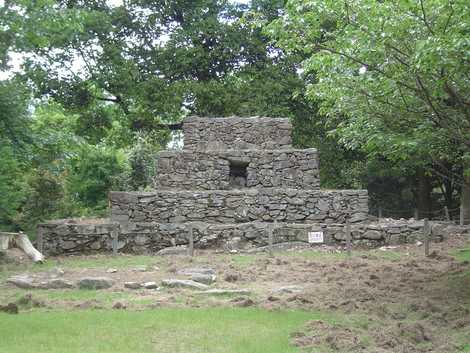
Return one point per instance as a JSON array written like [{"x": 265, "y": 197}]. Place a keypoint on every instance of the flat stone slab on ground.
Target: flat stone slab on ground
[
  {"x": 280, "y": 247},
  {"x": 288, "y": 289},
  {"x": 196, "y": 271},
  {"x": 183, "y": 283},
  {"x": 226, "y": 292},
  {"x": 150, "y": 285},
  {"x": 22, "y": 281},
  {"x": 132, "y": 285},
  {"x": 202, "y": 278},
  {"x": 174, "y": 250},
  {"x": 55, "y": 283},
  {"x": 95, "y": 283},
  {"x": 141, "y": 268}
]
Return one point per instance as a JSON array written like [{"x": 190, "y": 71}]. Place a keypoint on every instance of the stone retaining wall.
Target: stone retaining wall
[
  {"x": 239, "y": 206},
  {"x": 236, "y": 133},
  {"x": 150, "y": 237},
  {"x": 256, "y": 234},
  {"x": 290, "y": 168},
  {"x": 69, "y": 236}
]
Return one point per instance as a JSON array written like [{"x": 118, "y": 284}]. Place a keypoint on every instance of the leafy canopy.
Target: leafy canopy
[{"x": 392, "y": 76}]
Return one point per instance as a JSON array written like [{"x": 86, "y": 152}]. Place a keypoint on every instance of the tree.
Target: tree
[
  {"x": 147, "y": 62},
  {"x": 14, "y": 136},
  {"x": 391, "y": 76},
  {"x": 14, "y": 117},
  {"x": 12, "y": 188}
]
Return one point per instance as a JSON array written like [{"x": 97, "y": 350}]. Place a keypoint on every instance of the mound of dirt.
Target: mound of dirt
[{"x": 320, "y": 333}]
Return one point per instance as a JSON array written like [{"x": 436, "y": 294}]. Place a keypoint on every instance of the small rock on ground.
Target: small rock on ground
[
  {"x": 119, "y": 305},
  {"x": 150, "y": 285},
  {"x": 10, "y": 308},
  {"x": 55, "y": 283},
  {"x": 132, "y": 285},
  {"x": 182, "y": 283},
  {"x": 288, "y": 290},
  {"x": 22, "y": 281},
  {"x": 202, "y": 278},
  {"x": 231, "y": 277},
  {"x": 174, "y": 250},
  {"x": 140, "y": 269},
  {"x": 95, "y": 283},
  {"x": 196, "y": 271},
  {"x": 243, "y": 302},
  {"x": 226, "y": 292}
]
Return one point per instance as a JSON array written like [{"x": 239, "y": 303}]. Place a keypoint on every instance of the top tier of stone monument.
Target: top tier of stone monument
[
  {"x": 233, "y": 153},
  {"x": 236, "y": 133}
]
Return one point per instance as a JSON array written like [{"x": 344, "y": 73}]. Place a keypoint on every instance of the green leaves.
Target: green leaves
[
  {"x": 392, "y": 69},
  {"x": 12, "y": 188}
]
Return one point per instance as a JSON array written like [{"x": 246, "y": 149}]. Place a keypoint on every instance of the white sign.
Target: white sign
[{"x": 315, "y": 237}]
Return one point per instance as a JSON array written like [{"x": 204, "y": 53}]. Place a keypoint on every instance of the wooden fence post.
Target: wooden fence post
[
  {"x": 191, "y": 241},
  {"x": 380, "y": 213},
  {"x": 427, "y": 233},
  {"x": 270, "y": 230},
  {"x": 461, "y": 216},
  {"x": 114, "y": 241},
  {"x": 348, "y": 237},
  {"x": 446, "y": 211},
  {"x": 416, "y": 214}
]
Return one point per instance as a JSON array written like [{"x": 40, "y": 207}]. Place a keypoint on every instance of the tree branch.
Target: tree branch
[
  {"x": 425, "y": 18},
  {"x": 371, "y": 67}
]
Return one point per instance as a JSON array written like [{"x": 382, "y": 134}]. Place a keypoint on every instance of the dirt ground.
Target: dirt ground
[{"x": 391, "y": 301}]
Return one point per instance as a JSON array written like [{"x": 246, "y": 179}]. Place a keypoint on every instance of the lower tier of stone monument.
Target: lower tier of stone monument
[
  {"x": 229, "y": 169},
  {"x": 240, "y": 206},
  {"x": 70, "y": 237}
]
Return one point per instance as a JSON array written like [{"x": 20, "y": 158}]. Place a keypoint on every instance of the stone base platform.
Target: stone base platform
[
  {"x": 239, "y": 206},
  {"x": 150, "y": 237}
]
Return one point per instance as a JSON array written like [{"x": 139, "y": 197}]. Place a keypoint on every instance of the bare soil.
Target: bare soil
[{"x": 386, "y": 301}]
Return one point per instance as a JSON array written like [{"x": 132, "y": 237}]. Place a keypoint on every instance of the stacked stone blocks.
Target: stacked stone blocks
[{"x": 234, "y": 179}]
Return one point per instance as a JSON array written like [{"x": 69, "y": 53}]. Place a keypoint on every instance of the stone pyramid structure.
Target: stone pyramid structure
[{"x": 237, "y": 183}]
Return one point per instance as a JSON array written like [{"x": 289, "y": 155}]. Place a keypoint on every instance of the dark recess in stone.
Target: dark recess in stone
[{"x": 238, "y": 174}]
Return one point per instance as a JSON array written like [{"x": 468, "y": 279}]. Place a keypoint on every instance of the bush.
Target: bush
[{"x": 92, "y": 173}]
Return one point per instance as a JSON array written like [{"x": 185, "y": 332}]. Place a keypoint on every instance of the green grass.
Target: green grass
[
  {"x": 216, "y": 330},
  {"x": 245, "y": 259},
  {"x": 99, "y": 261},
  {"x": 462, "y": 254},
  {"x": 80, "y": 295},
  {"x": 121, "y": 261}
]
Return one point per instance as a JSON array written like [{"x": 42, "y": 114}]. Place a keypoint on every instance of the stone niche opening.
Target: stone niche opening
[{"x": 238, "y": 174}]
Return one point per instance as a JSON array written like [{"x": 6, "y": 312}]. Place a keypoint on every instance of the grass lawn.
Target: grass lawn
[
  {"x": 216, "y": 330},
  {"x": 463, "y": 254}
]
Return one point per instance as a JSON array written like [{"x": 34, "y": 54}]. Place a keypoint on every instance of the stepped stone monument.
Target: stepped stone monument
[
  {"x": 234, "y": 179},
  {"x": 237, "y": 184}
]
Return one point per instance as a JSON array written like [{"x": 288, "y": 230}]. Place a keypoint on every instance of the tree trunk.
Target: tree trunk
[
  {"x": 20, "y": 240},
  {"x": 423, "y": 198},
  {"x": 448, "y": 192},
  {"x": 465, "y": 198}
]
